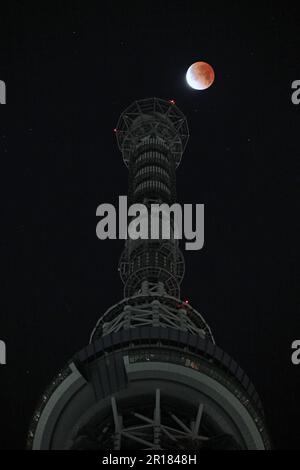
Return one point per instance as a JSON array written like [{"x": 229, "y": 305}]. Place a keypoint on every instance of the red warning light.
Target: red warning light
[
  {"x": 186, "y": 302},
  {"x": 115, "y": 131},
  {"x": 173, "y": 102}
]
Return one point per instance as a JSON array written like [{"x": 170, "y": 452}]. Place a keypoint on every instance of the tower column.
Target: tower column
[{"x": 152, "y": 376}]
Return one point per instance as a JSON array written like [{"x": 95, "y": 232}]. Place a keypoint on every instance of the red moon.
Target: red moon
[{"x": 200, "y": 76}]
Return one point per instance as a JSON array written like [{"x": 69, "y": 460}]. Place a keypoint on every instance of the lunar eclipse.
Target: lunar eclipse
[{"x": 200, "y": 76}]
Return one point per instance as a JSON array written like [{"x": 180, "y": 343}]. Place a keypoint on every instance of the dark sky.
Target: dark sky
[{"x": 71, "y": 68}]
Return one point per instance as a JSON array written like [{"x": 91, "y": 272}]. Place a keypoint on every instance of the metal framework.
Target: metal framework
[
  {"x": 152, "y": 377},
  {"x": 152, "y": 432},
  {"x": 148, "y": 117},
  {"x": 158, "y": 428},
  {"x": 157, "y": 310}
]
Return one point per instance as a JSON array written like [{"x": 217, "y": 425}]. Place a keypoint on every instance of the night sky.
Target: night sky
[{"x": 71, "y": 68}]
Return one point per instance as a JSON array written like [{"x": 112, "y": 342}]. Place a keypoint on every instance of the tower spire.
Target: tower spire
[
  {"x": 152, "y": 135},
  {"x": 152, "y": 376}
]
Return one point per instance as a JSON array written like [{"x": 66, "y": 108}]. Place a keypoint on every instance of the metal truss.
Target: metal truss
[
  {"x": 153, "y": 432},
  {"x": 158, "y": 427},
  {"x": 165, "y": 263},
  {"x": 152, "y": 117},
  {"x": 156, "y": 311}
]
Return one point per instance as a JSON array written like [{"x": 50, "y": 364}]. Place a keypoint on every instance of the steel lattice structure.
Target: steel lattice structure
[{"x": 152, "y": 377}]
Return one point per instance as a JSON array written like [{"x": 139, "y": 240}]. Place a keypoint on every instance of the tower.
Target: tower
[{"x": 152, "y": 376}]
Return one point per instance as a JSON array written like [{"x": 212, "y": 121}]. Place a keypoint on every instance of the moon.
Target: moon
[{"x": 200, "y": 76}]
